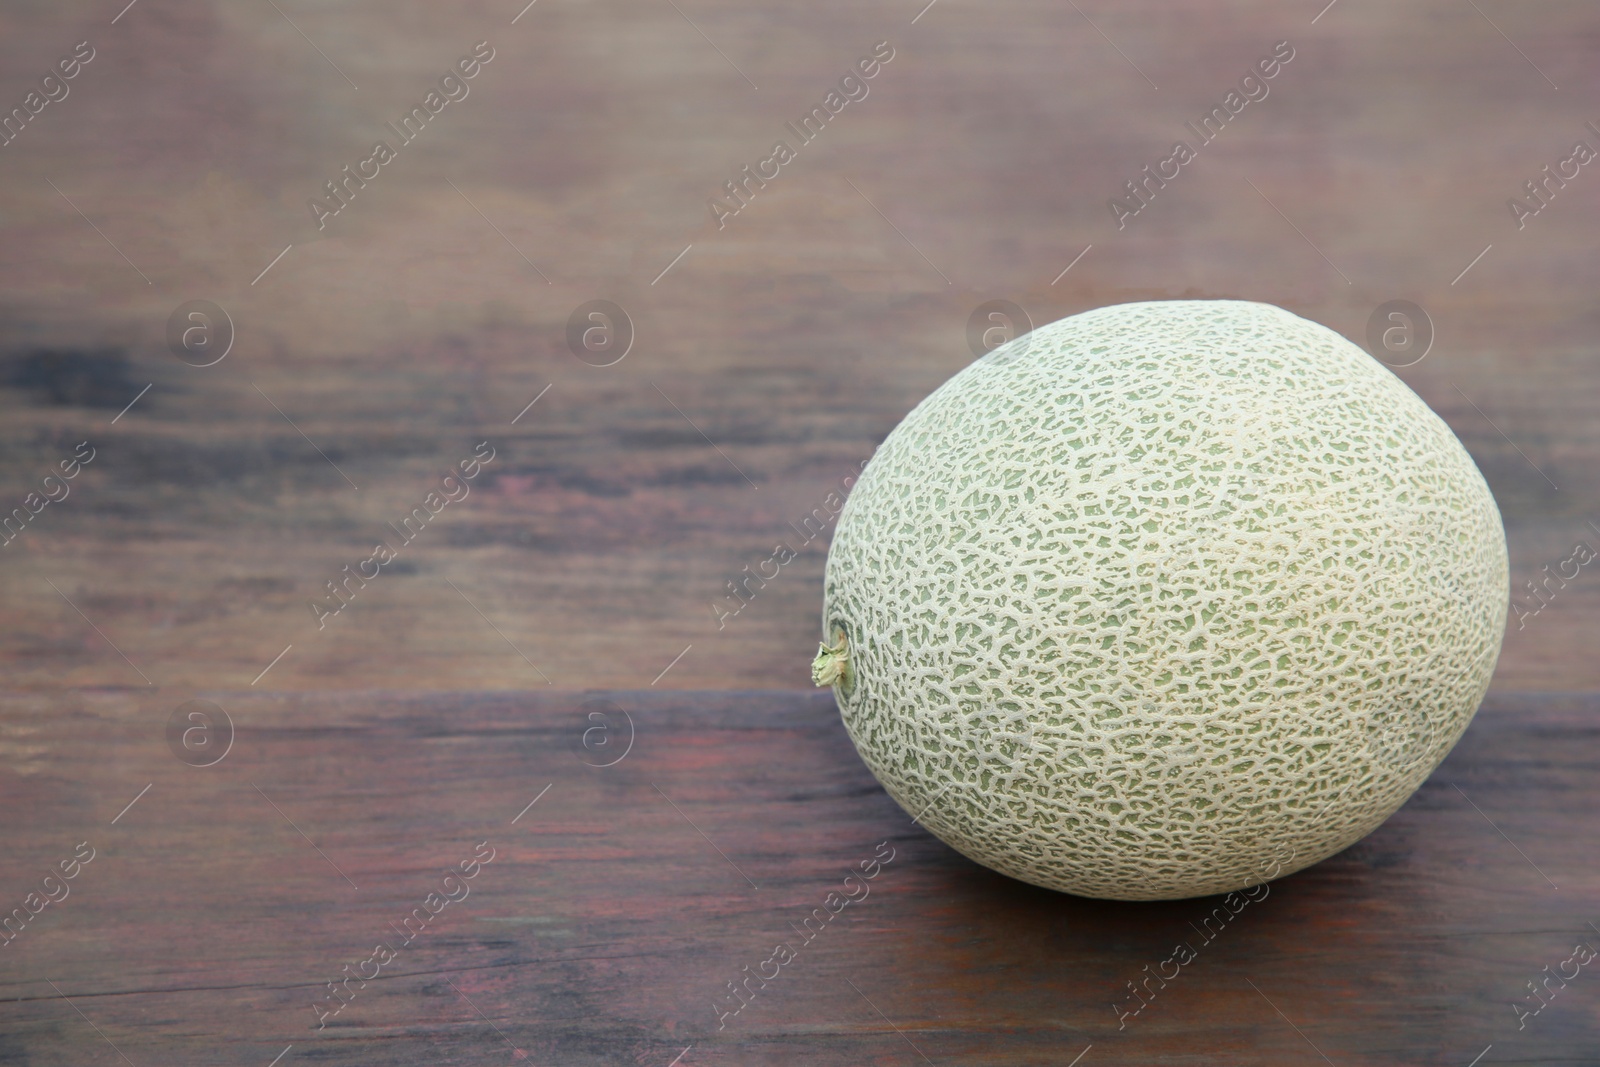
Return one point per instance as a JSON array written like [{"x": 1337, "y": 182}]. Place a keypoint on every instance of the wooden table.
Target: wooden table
[
  {"x": 619, "y": 906},
  {"x": 771, "y": 354},
  {"x": 780, "y": 349}
]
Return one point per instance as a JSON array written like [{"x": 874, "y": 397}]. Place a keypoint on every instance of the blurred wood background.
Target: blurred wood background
[
  {"x": 795, "y": 337},
  {"x": 770, "y": 356}
]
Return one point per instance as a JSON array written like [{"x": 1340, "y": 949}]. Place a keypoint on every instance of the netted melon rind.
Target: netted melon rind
[{"x": 1184, "y": 589}]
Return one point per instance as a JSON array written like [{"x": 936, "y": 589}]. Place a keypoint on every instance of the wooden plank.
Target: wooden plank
[
  {"x": 617, "y": 908},
  {"x": 796, "y": 336}
]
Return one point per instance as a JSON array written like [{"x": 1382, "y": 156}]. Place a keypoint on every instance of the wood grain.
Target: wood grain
[
  {"x": 795, "y": 337},
  {"x": 616, "y": 909}
]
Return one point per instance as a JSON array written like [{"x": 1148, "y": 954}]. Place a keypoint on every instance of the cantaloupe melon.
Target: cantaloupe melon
[{"x": 1145, "y": 602}]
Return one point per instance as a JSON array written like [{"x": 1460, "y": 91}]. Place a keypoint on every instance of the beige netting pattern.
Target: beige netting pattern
[{"x": 1163, "y": 593}]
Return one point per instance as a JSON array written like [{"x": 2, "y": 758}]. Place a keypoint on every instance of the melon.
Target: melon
[{"x": 1162, "y": 600}]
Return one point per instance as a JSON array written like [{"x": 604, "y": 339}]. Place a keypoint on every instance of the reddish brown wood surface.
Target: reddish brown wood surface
[
  {"x": 795, "y": 337},
  {"x": 617, "y": 908}
]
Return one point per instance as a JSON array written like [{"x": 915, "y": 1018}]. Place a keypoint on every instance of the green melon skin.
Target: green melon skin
[{"x": 1164, "y": 599}]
